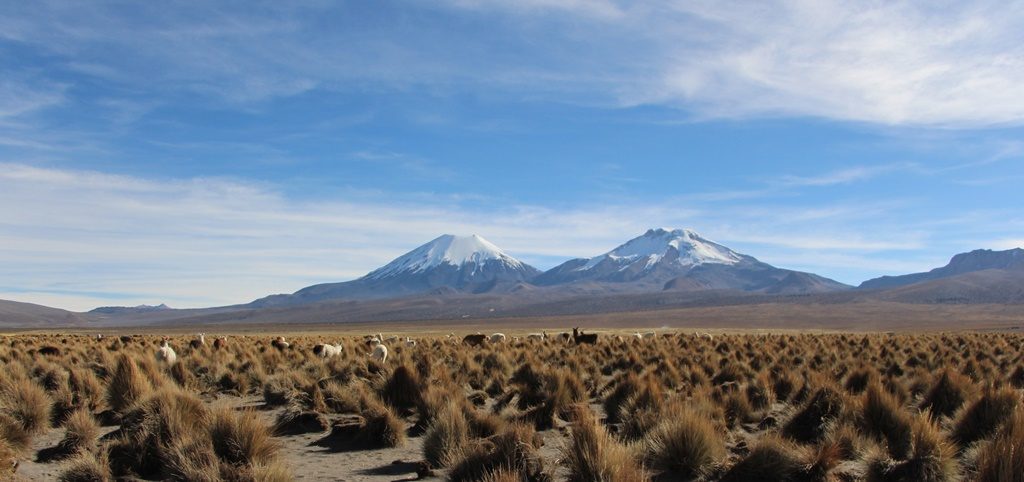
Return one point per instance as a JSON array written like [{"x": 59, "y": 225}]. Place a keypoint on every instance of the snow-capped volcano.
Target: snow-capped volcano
[
  {"x": 451, "y": 250},
  {"x": 683, "y": 247},
  {"x": 680, "y": 259},
  {"x": 449, "y": 264}
]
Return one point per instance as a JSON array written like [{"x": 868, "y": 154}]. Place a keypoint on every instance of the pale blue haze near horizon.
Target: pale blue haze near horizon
[{"x": 209, "y": 153}]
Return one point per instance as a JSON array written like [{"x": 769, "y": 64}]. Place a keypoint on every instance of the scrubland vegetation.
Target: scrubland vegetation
[{"x": 675, "y": 406}]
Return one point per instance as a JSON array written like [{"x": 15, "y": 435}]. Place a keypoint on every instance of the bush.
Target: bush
[
  {"x": 513, "y": 450},
  {"x": 81, "y": 433},
  {"x": 983, "y": 418},
  {"x": 593, "y": 455},
  {"x": 241, "y": 438},
  {"x": 86, "y": 467},
  {"x": 771, "y": 459},
  {"x": 404, "y": 389},
  {"x": 27, "y": 404},
  {"x": 810, "y": 423},
  {"x": 947, "y": 394},
  {"x": 1003, "y": 459},
  {"x": 684, "y": 445},
  {"x": 931, "y": 460},
  {"x": 127, "y": 386},
  {"x": 885, "y": 420},
  {"x": 446, "y": 436}
]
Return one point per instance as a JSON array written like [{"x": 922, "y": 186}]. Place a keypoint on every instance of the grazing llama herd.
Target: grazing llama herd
[{"x": 165, "y": 354}]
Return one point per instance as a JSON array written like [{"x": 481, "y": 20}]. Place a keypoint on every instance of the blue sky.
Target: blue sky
[{"x": 204, "y": 153}]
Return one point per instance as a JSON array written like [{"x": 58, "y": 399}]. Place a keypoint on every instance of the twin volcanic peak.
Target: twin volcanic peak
[{"x": 660, "y": 259}]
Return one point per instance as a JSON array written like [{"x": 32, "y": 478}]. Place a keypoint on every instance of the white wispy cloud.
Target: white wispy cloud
[
  {"x": 21, "y": 94},
  {"x": 893, "y": 63},
  {"x": 1008, "y": 243},
  {"x": 843, "y": 176}
]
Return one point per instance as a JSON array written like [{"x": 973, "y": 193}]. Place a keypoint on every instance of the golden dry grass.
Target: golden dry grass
[{"x": 681, "y": 406}]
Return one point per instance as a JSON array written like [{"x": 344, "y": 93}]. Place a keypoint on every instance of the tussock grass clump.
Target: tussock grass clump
[
  {"x": 294, "y": 421},
  {"x": 982, "y": 418},
  {"x": 13, "y": 435},
  {"x": 27, "y": 404},
  {"x": 771, "y": 459},
  {"x": 886, "y": 421},
  {"x": 859, "y": 380},
  {"x": 502, "y": 475},
  {"x": 182, "y": 375},
  {"x": 684, "y": 445},
  {"x": 192, "y": 459},
  {"x": 376, "y": 427},
  {"x": 150, "y": 426},
  {"x": 931, "y": 460},
  {"x": 592, "y": 454},
  {"x": 1002, "y": 460},
  {"x": 446, "y": 436},
  {"x": 273, "y": 472},
  {"x": 947, "y": 394},
  {"x": 277, "y": 391},
  {"x": 241, "y": 438},
  {"x": 613, "y": 403},
  {"x": 86, "y": 467},
  {"x": 554, "y": 398},
  {"x": 81, "y": 432},
  {"x": 8, "y": 459},
  {"x": 403, "y": 389},
  {"x": 513, "y": 450},
  {"x": 847, "y": 440},
  {"x": 738, "y": 409},
  {"x": 127, "y": 385},
  {"x": 810, "y": 422}
]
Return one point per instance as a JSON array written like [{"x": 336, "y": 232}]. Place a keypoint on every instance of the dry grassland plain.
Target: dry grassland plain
[{"x": 655, "y": 405}]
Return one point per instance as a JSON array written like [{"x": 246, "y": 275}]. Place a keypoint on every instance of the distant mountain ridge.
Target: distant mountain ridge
[
  {"x": 112, "y": 310},
  {"x": 977, "y": 260},
  {"x": 467, "y": 277},
  {"x": 16, "y": 313}
]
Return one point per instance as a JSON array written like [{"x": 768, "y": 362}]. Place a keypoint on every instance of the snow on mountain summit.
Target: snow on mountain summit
[
  {"x": 447, "y": 250},
  {"x": 656, "y": 244}
]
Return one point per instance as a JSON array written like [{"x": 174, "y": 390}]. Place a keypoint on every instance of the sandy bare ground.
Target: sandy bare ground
[{"x": 306, "y": 462}]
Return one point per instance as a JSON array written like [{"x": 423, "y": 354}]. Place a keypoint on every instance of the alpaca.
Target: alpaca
[
  {"x": 497, "y": 338},
  {"x": 474, "y": 340},
  {"x": 198, "y": 342},
  {"x": 380, "y": 353},
  {"x": 536, "y": 336},
  {"x": 280, "y": 344},
  {"x": 583, "y": 339},
  {"x": 409, "y": 342},
  {"x": 327, "y": 351},
  {"x": 220, "y": 343},
  {"x": 165, "y": 354}
]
